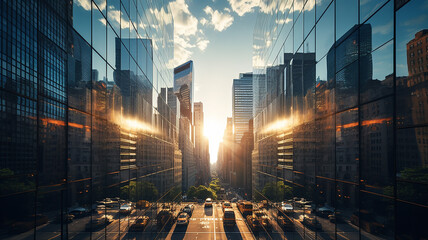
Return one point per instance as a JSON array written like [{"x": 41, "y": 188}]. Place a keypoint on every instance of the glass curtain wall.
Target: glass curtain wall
[
  {"x": 88, "y": 143},
  {"x": 341, "y": 118}
]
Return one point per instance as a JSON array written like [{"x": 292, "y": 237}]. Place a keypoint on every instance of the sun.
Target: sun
[{"x": 214, "y": 132}]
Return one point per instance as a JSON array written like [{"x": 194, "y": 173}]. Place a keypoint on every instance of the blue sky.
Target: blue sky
[{"x": 218, "y": 36}]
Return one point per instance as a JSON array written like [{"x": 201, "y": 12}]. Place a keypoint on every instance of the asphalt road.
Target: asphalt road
[{"x": 207, "y": 223}]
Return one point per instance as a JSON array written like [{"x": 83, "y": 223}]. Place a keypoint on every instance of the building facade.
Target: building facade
[
  {"x": 83, "y": 119},
  {"x": 202, "y": 154},
  {"x": 183, "y": 89},
  {"x": 242, "y": 104},
  {"x": 340, "y": 116}
]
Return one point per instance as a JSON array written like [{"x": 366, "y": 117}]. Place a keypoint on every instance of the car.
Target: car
[
  {"x": 164, "y": 218},
  {"x": 265, "y": 204},
  {"x": 66, "y": 218},
  {"x": 336, "y": 217},
  {"x": 225, "y": 205},
  {"x": 229, "y": 217},
  {"x": 79, "y": 212},
  {"x": 140, "y": 224},
  {"x": 311, "y": 222},
  {"x": 125, "y": 209},
  {"x": 287, "y": 207},
  {"x": 284, "y": 221},
  {"x": 188, "y": 209},
  {"x": 325, "y": 211},
  {"x": 98, "y": 223},
  {"x": 183, "y": 219},
  {"x": 142, "y": 204},
  {"x": 263, "y": 220},
  {"x": 234, "y": 200},
  {"x": 208, "y": 202}
]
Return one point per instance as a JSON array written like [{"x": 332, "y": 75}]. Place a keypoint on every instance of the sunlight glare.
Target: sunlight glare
[{"x": 214, "y": 132}]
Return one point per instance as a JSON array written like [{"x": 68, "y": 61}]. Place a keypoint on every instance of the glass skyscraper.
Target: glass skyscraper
[
  {"x": 84, "y": 121},
  {"x": 340, "y": 118},
  {"x": 242, "y": 104}
]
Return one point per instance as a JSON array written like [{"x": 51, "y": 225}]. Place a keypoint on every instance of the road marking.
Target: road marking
[{"x": 214, "y": 223}]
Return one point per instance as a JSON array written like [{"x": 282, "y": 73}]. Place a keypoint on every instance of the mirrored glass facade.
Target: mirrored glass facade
[
  {"x": 87, "y": 134},
  {"x": 340, "y": 118}
]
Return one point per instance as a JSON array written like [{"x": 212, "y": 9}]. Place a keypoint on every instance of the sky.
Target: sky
[{"x": 218, "y": 36}]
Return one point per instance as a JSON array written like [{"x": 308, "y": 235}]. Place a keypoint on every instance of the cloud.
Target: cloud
[
  {"x": 282, "y": 20},
  {"x": 114, "y": 17},
  {"x": 184, "y": 22},
  {"x": 183, "y": 42},
  {"x": 85, "y": 4},
  {"x": 101, "y": 4},
  {"x": 187, "y": 35},
  {"x": 241, "y": 7},
  {"x": 220, "y": 21},
  {"x": 203, "y": 21},
  {"x": 202, "y": 44},
  {"x": 383, "y": 29}
]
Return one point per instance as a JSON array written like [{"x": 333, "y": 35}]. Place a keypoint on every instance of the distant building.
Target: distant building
[
  {"x": 242, "y": 104},
  {"x": 183, "y": 89},
  {"x": 201, "y": 145}
]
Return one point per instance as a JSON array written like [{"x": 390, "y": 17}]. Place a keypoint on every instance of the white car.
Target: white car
[
  {"x": 208, "y": 202},
  {"x": 287, "y": 207},
  {"x": 125, "y": 209}
]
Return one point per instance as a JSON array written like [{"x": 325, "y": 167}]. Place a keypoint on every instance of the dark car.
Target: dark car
[
  {"x": 79, "y": 212},
  {"x": 140, "y": 224},
  {"x": 324, "y": 212},
  {"x": 188, "y": 209},
  {"x": 312, "y": 223},
  {"x": 263, "y": 220},
  {"x": 66, "y": 218},
  {"x": 98, "y": 223},
  {"x": 285, "y": 221}
]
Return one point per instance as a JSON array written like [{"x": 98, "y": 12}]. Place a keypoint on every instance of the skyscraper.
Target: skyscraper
[
  {"x": 183, "y": 88},
  {"x": 76, "y": 110},
  {"x": 242, "y": 104},
  {"x": 201, "y": 145}
]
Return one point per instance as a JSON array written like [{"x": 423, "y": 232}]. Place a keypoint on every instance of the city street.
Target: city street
[{"x": 207, "y": 223}]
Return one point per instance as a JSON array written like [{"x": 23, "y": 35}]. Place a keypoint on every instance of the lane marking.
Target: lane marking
[{"x": 214, "y": 223}]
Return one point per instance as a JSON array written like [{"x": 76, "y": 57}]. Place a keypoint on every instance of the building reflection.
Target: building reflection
[
  {"x": 338, "y": 133},
  {"x": 82, "y": 131}
]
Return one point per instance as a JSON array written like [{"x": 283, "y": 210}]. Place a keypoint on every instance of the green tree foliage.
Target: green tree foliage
[
  {"x": 276, "y": 191},
  {"x": 215, "y": 185},
  {"x": 201, "y": 192},
  {"x": 135, "y": 191}
]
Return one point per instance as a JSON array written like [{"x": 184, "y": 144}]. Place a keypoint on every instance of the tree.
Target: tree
[
  {"x": 201, "y": 192},
  {"x": 141, "y": 190}
]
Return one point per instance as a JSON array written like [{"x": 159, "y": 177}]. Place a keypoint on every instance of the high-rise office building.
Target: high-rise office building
[
  {"x": 225, "y": 153},
  {"x": 242, "y": 104},
  {"x": 201, "y": 146},
  {"x": 78, "y": 125},
  {"x": 183, "y": 89},
  {"x": 340, "y": 119}
]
